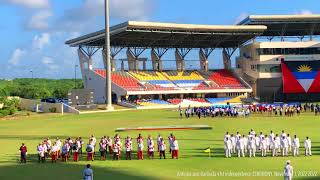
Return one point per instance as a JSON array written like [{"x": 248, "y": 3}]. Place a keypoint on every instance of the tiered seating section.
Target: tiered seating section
[
  {"x": 173, "y": 80},
  {"x": 185, "y": 79},
  {"x": 157, "y": 79},
  {"x": 225, "y": 79},
  {"x": 123, "y": 80}
]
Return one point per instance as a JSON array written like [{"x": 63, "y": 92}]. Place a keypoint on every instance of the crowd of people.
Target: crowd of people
[
  {"x": 214, "y": 111},
  {"x": 64, "y": 150},
  {"x": 277, "y": 145},
  {"x": 246, "y": 110}
]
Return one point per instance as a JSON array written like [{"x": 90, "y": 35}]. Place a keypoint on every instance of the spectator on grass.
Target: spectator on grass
[{"x": 88, "y": 173}]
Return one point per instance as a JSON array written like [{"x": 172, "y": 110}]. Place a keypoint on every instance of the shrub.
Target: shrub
[
  {"x": 53, "y": 110},
  {"x": 4, "y": 112}
]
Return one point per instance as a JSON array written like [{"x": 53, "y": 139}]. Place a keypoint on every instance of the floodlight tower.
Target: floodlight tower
[{"x": 107, "y": 59}]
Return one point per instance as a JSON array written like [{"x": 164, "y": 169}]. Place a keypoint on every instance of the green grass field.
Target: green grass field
[{"x": 34, "y": 128}]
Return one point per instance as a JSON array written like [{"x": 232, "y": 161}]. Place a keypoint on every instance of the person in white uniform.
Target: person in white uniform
[
  {"x": 227, "y": 147},
  {"x": 233, "y": 142},
  {"x": 307, "y": 146},
  {"x": 263, "y": 145},
  {"x": 295, "y": 145},
  {"x": 289, "y": 143},
  {"x": 284, "y": 146},
  {"x": 240, "y": 147},
  {"x": 288, "y": 171},
  {"x": 252, "y": 147}
]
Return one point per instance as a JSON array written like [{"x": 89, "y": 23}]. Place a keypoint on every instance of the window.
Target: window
[
  {"x": 269, "y": 68},
  {"x": 288, "y": 51}
]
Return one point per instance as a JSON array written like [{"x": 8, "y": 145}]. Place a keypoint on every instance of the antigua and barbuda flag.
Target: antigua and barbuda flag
[{"x": 301, "y": 76}]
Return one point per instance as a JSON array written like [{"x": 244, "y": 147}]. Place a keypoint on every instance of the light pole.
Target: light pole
[
  {"x": 107, "y": 59},
  {"x": 75, "y": 76},
  {"x": 31, "y": 74}
]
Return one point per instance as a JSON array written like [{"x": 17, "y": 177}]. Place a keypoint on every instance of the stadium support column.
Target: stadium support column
[
  {"x": 107, "y": 54},
  {"x": 204, "y": 54},
  {"x": 113, "y": 52},
  {"x": 156, "y": 55},
  {"x": 133, "y": 57},
  {"x": 227, "y": 54},
  {"x": 85, "y": 59},
  {"x": 180, "y": 54}
]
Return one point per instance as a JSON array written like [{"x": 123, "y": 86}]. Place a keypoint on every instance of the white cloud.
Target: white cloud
[
  {"x": 84, "y": 16},
  {"x": 305, "y": 12},
  {"x": 35, "y": 4},
  {"x": 16, "y": 56},
  {"x": 241, "y": 17},
  {"x": 47, "y": 60},
  {"x": 39, "y": 42},
  {"x": 39, "y": 20}
]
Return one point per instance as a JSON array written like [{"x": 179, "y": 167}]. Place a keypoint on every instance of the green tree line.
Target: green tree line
[{"x": 38, "y": 88}]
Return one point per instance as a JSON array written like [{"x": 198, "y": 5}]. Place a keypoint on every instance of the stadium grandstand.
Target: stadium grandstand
[{"x": 264, "y": 70}]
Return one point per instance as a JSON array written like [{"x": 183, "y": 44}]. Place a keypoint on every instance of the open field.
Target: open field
[{"x": 33, "y": 129}]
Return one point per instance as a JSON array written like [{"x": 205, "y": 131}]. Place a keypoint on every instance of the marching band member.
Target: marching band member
[
  {"x": 140, "y": 147},
  {"x": 59, "y": 144},
  {"x": 75, "y": 150},
  {"x": 102, "y": 149},
  {"x": 64, "y": 151},
  {"x": 40, "y": 151},
  {"x": 175, "y": 150},
  {"x": 170, "y": 138},
  {"x": 128, "y": 148},
  {"x": 54, "y": 153},
  {"x": 295, "y": 145},
  {"x": 90, "y": 151},
  {"x": 150, "y": 147},
  {"x": 307, "y": 146},
  {"x": 116, "y": 151},
  {"x": 162, "y": 149},
  {"x": 109, "y": 143},
  {"x": 227, "y": 147},
  {"x": 159, "y": 142}
]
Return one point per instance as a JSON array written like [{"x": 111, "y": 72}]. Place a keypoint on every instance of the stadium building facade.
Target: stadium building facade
[{"x": 259, "y": 70}]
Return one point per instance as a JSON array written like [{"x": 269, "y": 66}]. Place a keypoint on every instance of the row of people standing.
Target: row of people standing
[
  {"x": 107, "y": 145},
  {"x": 252, "y": 143}
]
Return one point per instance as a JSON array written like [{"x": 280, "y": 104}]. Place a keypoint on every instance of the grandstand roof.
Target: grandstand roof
[
  {"x": 286, "y": 25},
  {"x": 171, "y": 35}
]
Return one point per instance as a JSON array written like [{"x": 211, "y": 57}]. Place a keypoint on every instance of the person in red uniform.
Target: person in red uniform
[
  {"x": 23, "y": 153},
  {"x": 140, "y": 147}
]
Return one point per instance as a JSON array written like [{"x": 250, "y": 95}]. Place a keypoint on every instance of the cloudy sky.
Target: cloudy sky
[{"x": 33, "y": 32}]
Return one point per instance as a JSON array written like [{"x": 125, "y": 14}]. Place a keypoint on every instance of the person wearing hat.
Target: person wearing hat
[
  {"x": 288, "y": 171},
  {"x": 88, "y": 173}
]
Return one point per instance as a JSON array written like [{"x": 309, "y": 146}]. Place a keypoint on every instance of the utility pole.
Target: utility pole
[
  {"x": 107, "y": 53},
  {"x": 31, "y": 74}
]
